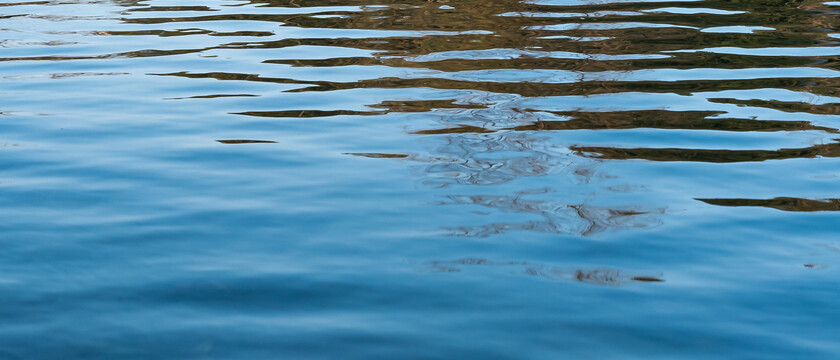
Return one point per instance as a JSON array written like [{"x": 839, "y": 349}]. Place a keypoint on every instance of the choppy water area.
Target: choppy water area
[{"x": 400, "y": 179}]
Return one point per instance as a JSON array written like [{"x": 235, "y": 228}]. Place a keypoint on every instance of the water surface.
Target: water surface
[{"x": 401, "y": 179}]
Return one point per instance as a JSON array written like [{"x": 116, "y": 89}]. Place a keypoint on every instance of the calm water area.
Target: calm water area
[{"x": 412, "y": 179}]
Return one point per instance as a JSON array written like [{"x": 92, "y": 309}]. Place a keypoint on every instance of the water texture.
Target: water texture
[{"x": 406, "y": 179}]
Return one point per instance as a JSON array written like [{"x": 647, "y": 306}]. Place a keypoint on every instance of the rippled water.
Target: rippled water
[{"x": 406, "y": 179}]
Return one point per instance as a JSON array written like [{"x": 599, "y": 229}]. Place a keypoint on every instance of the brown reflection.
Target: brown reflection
[
  {"x": 703, "y": 155},
  {"x": 786, "y": 106},
  {"x": 131, "y": 54},
  {"x": 212, "y": 96},
  {"x": 653, "y": 119},
  {"x": 815, "y": 85},
  {"x": 246, "y": 141},
  {"x": 822, "y": 86},
  {"x": 25, "y": 3},
  {"x": 662, "y": 119},
  {"x": 345, "y": 61},
  {"x": 387, "y": 106},
  {"x": 603, "y": 276},
  {"x": 79, "y": 74},
  {"x": 184, "y": 32},
  {"x": 555, "y": 217},
  {"x": 546, "y": 61},
  {"x": 460, "y": 129},
  {"x": 306, "y": 113},
  {"x": 781, "y": 203},
  {"x": 380, "y": 155},
  {"x": 173, "y": 8},
  {"x": 424, "y": 105}
]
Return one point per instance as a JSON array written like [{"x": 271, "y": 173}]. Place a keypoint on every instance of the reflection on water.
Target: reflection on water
[
  {"x": 555, "y": 217},
  {"x": 247, "y": 179},
  {"x": 660, "y": 119},
  {"x": 609, "y": 277},
  {"x": 718, "y": 156},
  {"x": 781, "y": 203},
  {"x": 246, "y": 141}
]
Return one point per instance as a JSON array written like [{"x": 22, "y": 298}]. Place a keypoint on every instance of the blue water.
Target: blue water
[{"x": 342, "y": 179}]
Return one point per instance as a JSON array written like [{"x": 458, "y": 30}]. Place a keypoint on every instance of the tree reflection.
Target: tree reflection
[{"x": 511, "y": 51}]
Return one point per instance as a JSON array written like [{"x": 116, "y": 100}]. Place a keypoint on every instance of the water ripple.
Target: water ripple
[{"x": 259, "y": 179}]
